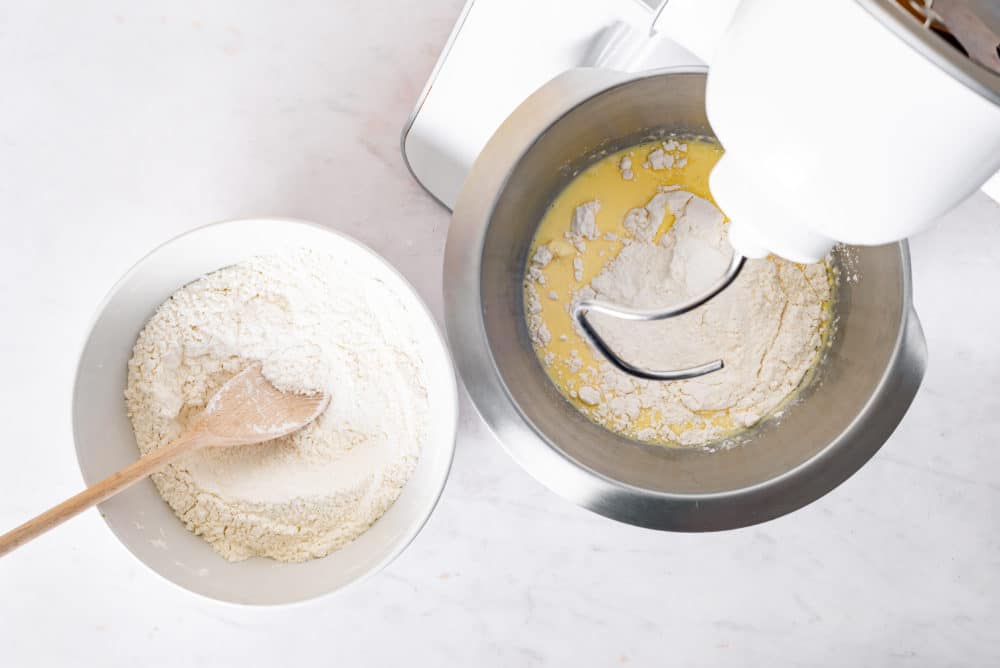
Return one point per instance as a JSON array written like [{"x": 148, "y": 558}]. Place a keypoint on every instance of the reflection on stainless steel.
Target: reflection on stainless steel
[
  {"x": 860, "y": 392},
  {"x": 585, "y": 306},
  {"x": 979, "y": 78}
]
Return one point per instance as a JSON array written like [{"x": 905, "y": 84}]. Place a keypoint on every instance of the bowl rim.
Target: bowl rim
[
  {"x": 544, "y": 460},
  {"x": 452, "y": 401}
]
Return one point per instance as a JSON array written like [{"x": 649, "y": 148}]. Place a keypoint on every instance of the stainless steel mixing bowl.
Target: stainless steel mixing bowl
[{"x": 861, "y": 391}]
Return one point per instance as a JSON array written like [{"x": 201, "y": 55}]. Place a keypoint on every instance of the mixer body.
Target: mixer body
[{"x": 868, "y": 130}]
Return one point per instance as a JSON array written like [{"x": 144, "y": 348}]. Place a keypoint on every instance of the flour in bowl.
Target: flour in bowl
[
  {"x": 653, "y": 239},
  {"x": 318, "y": 323}
]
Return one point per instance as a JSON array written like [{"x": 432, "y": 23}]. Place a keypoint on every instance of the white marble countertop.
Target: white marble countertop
[{"x": 123, "y": 124}]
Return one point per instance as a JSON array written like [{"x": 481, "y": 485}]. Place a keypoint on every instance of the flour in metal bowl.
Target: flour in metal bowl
[{"x": 639, "y": 228}]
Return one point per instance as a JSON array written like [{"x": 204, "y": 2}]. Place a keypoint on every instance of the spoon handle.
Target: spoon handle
[{"x": 105, "y": 489}]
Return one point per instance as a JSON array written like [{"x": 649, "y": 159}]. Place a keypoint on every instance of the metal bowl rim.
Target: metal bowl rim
[{"x": 469, "y": 341}]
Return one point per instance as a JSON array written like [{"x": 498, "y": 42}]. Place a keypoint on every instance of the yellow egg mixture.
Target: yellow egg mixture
[{"x": 568, "y": 359}]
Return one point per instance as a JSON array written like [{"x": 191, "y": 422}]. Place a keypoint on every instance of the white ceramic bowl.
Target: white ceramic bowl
[{"x": 105, "y": 442}]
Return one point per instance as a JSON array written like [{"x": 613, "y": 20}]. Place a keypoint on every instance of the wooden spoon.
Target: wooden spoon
[{"x": 247, "y": 409}]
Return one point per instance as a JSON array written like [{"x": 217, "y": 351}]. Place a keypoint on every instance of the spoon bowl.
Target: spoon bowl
[{"x": 249, "y": 409}]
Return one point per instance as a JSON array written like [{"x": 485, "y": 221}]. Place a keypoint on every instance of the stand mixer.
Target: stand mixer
[{"x": 792, "y": 85}]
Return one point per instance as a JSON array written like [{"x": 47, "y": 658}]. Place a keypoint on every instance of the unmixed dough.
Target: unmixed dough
[
  {"x": 318, "y": 323},
  {"x": 768, "y": 327}
]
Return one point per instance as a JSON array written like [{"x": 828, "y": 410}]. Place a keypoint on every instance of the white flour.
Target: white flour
[
  {"x": 318, "y": 323},
  {"x": 669, "y": 154},
  {"x": 767, "y": 326}
]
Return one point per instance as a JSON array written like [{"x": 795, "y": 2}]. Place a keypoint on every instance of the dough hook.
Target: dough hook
[{"x": 582, "y": 309}]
